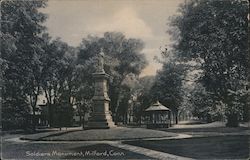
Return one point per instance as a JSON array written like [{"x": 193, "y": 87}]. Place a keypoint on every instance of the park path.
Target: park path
[{"x": 149, "y": 152}]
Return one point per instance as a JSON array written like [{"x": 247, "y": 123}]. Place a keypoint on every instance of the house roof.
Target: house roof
[{"x": 157, "y": 107}]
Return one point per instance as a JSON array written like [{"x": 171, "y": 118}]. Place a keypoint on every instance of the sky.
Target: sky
[{"x": 72, "y": 20}]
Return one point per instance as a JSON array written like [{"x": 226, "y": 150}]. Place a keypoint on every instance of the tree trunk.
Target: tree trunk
[
  {"x": 140, "y": 120},
  {"x": 33, "y": 120},
  {"x": 246, "y": 113},
  {"x": 80, "y": 116},
  {"x": 82, "y": 120},
  {"x": 232, "y": 120},
  {"x": 176, "y": 118},
  {"x": 126, "y": 118},
  {"x": 50, "y": 114},
  {"x": 209, "y": 118}
]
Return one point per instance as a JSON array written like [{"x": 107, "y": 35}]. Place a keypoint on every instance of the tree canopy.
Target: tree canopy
[
  {"x": 21, "y": 29},
  {"x": 215, "y": 34},
  {"x": 34, "y": 64},
  {"x": 123, "y": 59}
]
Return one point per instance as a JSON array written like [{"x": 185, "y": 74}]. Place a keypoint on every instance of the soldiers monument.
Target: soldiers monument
[{"x": 100, "y": 116}]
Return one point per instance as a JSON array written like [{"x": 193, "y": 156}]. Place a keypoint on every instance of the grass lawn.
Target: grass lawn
[
  {"x": 207, "y": 132},
  {"x": 119, "y": 133},
  {"x": 218, "y": 147},
  {"x": 208, "y": 129}
]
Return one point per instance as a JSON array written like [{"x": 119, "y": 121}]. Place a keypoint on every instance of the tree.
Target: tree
[
  {"x": 59, "y": 76},
  {"x": 215, "y": 33},
  {"x": 168, "y": 86},
  {"x": 246, "y": 107},
  {"x": 21, "y": 27},
  {"x": 83, "y": 92},
  {"x": 130, "y": 90},
  {"x": 204, "y": 105},
  {"x": 122, "y": 57},
  {"x": 143, "y": 97}
]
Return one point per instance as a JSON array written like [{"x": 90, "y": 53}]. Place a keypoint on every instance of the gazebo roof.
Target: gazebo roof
[{"x": 157, "y": 107}]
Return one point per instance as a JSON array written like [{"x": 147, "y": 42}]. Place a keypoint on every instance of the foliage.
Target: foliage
[
  {"x": 215, "y": 34},
  {"x": 142, "y": 96},
  {"x": 63, "y": 81},
  {"x": 123, "y": 57},
  {"x": 20, "y": 36},
  {"x": 168, "y": 87},
  {"x": 204, "y": 106},
  {"x": 32, "y": 63}
]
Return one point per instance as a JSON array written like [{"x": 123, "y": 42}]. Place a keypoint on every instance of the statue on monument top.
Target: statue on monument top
[{"x": 100, "y": 64}]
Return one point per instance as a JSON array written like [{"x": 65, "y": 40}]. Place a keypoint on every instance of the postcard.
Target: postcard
[{"x": 125, "y": 79}]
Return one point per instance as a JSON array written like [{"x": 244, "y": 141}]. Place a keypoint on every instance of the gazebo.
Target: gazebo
[{"x": 158, "y": 116}]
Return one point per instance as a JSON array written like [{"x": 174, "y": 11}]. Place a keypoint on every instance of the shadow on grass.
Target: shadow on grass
[
  {"x": 219, "y": 147},
  {"x": 102, "y": 151}
]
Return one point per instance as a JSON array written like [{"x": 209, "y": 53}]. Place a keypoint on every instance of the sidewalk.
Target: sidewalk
[
  {"x": 149, "y": 152},
  {"x": 39, "y": 130}
]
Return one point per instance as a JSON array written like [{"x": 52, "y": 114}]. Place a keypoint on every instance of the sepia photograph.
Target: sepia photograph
[{"x": 125, "y": 79}]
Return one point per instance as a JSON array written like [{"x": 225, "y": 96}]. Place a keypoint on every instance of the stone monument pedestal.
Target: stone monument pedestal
[{"x": 100, "y": 117}]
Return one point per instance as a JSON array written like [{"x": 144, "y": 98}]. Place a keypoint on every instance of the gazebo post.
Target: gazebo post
[{"x": 169, "y": 114}]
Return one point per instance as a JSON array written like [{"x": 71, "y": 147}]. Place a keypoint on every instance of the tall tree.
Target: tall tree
[
  {"x": 122, "y": 57},
  {"x": 22, "y": 25},
  {"x": 142, "y": 96},
  {"x": 168, "y": 86},
  {"x": 215, "y": 32},
  {"x": 59, "y": 74}
]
